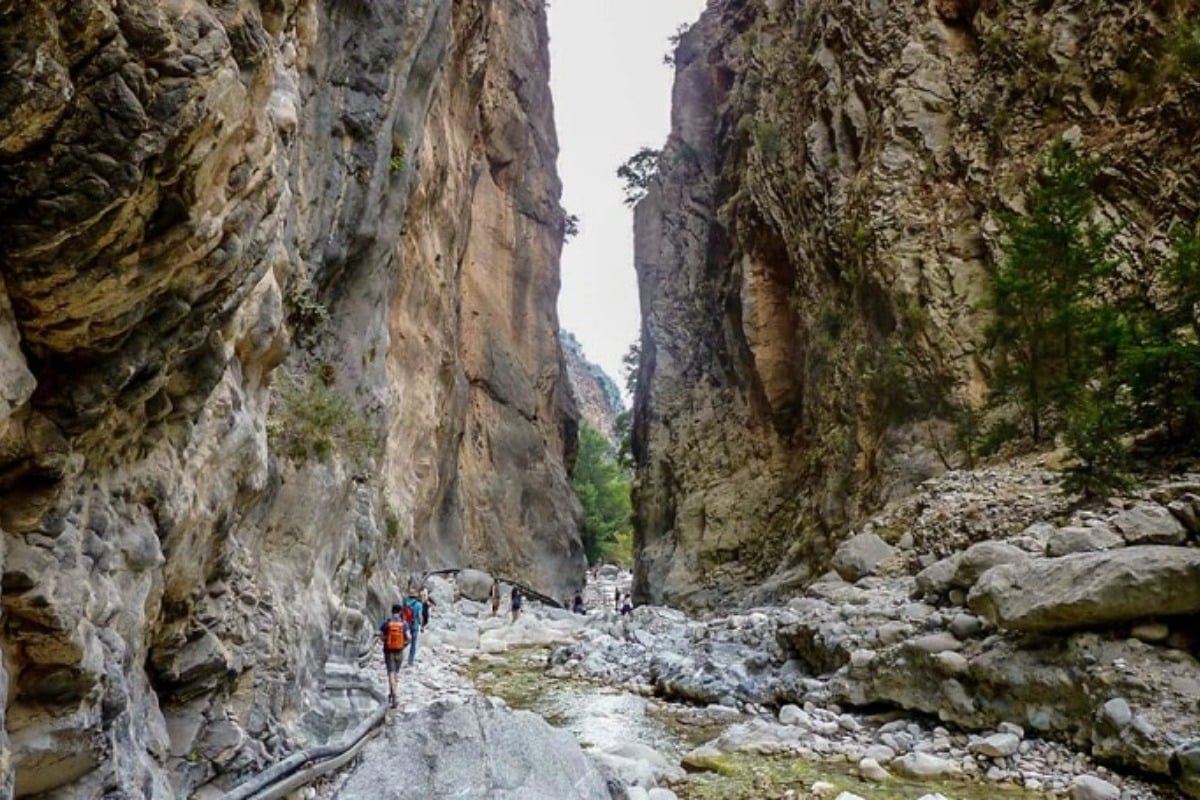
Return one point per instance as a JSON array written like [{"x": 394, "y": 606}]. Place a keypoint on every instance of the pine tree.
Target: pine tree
[{"x": 1042, "y": 294}]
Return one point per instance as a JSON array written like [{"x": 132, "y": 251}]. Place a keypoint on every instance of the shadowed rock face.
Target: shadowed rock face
[
  {"x": 811, "y": 256},
  {"x": 277, "y": 332}
]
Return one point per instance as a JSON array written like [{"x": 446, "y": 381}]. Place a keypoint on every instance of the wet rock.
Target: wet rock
[{"x": 1090, "y": 588}]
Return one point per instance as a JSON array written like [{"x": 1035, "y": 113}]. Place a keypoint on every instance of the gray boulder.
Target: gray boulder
[
  {"x": 1187, "y": 510},
  {"x": 962, "y": 570},
  {"x": 860, "y": 555},
  {"x": 474, "y": 584},
  {"x": 1150, "y": 523},
  {"x": 496, "y": 753},
  {"x": 1185, "y": 767},
  {"x": 1089, "y": 787},
  {"x": 1088, "y": 589},
  {"x": 1080, "y": 539}
]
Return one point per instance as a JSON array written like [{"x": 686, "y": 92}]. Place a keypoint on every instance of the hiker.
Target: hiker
[
  {"x": 413, "y": 610},
  {"x": 494, "y": 594},
  {"x": 395, "y": 632},
  {"x": 627, "y": 606},
  {"x": 425, "y": 604},
  {"x": 577, "y": 603},
  {"x": 515, "y": 603}
]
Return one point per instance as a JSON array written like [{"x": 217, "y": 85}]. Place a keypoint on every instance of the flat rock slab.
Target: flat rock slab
[{"x": 1090, "y": 589}]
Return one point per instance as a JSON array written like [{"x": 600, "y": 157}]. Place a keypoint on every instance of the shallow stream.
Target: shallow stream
[{"x": 605, "y": 718}]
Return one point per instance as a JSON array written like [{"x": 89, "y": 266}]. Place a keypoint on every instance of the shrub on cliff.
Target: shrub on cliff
[{"x": 311, "y": 419}]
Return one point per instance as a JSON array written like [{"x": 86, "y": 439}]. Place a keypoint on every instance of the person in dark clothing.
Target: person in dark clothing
[
  {"x": 515, "y": 600},
  {"x": 577, "y": 603}
]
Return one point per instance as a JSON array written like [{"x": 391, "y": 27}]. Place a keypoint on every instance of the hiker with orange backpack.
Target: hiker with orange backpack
[{"x": 395, "y": 633}]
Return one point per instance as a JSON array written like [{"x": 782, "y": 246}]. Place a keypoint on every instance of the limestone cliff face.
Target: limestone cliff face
[
  {"x": 277, "y": 333},
  {"x": 596, "y": 394},
  {"x": 810, "y": 258}
]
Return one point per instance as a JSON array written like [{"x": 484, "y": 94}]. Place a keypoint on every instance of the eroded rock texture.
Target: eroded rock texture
[
  {"x": 277, "y": 332},
  {"x": 811, "y": 256}
]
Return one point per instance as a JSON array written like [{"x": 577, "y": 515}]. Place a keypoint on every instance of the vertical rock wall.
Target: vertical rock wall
[
  {"x": 811, "y": 256},
  {"x": 277, "y": 333}
]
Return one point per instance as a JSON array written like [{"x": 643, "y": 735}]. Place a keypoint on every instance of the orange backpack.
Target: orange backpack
[{"x": 396, "y": 638}]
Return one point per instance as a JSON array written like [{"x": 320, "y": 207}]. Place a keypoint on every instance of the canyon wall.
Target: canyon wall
[
  {"x": 812, "y": 253},
  {"x": 596, "y": 394},
  {"x": 277, "y": 334}
]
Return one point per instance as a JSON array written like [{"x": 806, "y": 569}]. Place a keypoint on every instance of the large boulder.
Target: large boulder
[
  {"x": 474, "y": 584},
  {"x": 1150, "y": 523},
  {"x": 495, "y": 752},
  {"x": 1088, "y": 589},
  {"x": 861, "y": 555},
  {"x": 961, "y": 570}
]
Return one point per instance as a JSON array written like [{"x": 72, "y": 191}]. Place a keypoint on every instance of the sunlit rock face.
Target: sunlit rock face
[
  {"x": 811, "y": 258},
  {"x": 277, "y": 334}
]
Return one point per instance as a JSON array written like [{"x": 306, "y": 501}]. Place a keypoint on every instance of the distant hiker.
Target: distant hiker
[
  {"x": 425, "y": 604},
  {"x": 495, "y": 595},
  {"x": 395, "y": 633},
  {"x": 413, "y": 610},
  {"x": 616, "y": 599},
  {"x": 515, "y": 602},
  {"x": 627, "y": 606},
  {"x": 577, "y": 603}
]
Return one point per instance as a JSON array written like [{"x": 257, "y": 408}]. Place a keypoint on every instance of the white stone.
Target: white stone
[
  {"x": 1089, "y": 787},
  {"x": 870, "y": 770},
  {"x": 998, "y": 745}
]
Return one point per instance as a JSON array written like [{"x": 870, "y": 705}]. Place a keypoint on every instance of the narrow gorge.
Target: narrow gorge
[
  {"x": 278, "y": 333},
  {"x": 279, "y": 339}
]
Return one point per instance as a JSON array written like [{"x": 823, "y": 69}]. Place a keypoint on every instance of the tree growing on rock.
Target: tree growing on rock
[
  {"x": 1043, "y": 293},
  {"x": 637, "y": 172}
]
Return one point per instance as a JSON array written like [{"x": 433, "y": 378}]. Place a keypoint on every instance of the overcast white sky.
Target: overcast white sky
[{"x": 612, "y": 96}]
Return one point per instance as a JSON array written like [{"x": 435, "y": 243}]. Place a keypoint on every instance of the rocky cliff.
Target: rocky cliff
[
  {"x": 277, "y": 333},
  {"x": 596, "y": 395},
  {"x": 811, "y": 254}
]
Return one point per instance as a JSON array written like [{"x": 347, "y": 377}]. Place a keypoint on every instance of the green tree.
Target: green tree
[
  {"x": 637, "y": 172},
  {"x": 603, "y": 490},
  {"x": 1046, "y": 323},
  {"x": 1160, "y": 358}
]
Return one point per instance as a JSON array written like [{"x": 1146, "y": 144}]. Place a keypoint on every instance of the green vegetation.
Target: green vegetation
[
  {"x": 310, "y": 419},
  {"x": 570, "y": 228},
  {"x": 1078, "y": 356},
  {"x": 637, "y": 172},
  {"x": 602, "y": 486},
  {"x": 1042, "y": 292}
]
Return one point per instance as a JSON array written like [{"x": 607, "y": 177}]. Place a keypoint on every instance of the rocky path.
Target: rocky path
[{"x": 733, "y": 675}]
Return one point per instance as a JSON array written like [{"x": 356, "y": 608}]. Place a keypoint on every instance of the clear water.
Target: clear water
[{"x": 605, "y": 718}]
